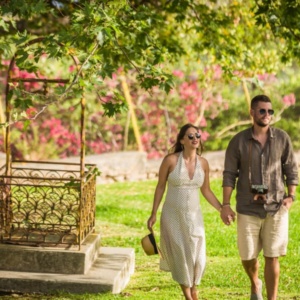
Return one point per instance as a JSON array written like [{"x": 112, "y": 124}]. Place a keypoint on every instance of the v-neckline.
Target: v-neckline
[{"x": 186, "y": 168}]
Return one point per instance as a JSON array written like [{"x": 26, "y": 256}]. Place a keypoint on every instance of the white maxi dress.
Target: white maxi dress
[{"x": 182, "y": 235}]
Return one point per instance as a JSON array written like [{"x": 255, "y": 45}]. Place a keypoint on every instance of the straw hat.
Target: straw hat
[{"x": 149, "y": 244}]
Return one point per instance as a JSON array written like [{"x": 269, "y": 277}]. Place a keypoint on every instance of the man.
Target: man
[{"x": 261, "y": 158}]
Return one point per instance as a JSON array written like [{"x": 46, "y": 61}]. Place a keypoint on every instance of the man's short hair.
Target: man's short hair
[{"x": 259, "y": 98}]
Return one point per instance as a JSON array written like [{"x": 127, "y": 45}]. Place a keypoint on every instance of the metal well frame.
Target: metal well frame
[{"x": 46, "y": 203}]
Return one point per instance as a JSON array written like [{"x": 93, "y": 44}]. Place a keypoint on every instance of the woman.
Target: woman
[{"x": 182, "y": 231}]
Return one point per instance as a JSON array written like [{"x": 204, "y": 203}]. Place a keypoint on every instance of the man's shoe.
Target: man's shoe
[{"x": 258, "y": 296}]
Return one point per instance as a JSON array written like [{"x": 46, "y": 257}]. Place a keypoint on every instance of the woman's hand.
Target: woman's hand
[{"x": 151, "y": 222}]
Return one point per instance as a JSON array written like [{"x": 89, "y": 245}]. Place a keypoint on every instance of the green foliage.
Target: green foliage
[
  {"x": 110, "y": 109},
  {"x": 22, "y": 104},
  {"x": 101, "y": 37},
  {"x": 283, "y": 19},
  {"x": 140, "y": 35},
  {"x": 148, "y": 39}
]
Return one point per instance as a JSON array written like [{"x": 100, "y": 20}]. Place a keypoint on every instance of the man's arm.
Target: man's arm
[
  {"x": 290, "y": 198},
  {"x": 227, "y": 214},
  {"x": 290, "y": 171},
  {"x": 230, "y": 174}
]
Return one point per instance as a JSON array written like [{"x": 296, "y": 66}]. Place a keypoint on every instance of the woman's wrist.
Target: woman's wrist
[{"x": 223, "y": 205}]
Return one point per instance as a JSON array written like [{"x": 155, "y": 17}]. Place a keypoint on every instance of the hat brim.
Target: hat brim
[{"x": 149, "y": 244}]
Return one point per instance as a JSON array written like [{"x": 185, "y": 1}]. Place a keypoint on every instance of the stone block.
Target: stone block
[
  {"x": 49, "y": 259},
  {"x": 110, "y": 272}
]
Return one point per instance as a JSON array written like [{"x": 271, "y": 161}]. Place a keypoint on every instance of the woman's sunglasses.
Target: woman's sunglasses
[
  {"x": 196, "y": 135},
  {"x": 263, "y": 111}
]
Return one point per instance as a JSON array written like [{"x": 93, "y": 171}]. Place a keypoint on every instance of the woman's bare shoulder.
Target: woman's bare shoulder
[
  {"x": 171, "y": 158},
  {"x": 204, "y": 162}
]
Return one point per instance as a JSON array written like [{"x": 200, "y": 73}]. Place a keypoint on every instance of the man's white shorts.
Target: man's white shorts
[{"x": 269, "y": 234}]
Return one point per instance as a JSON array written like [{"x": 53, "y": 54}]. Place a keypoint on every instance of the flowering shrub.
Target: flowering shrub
[{"x": 197, "y": 99}]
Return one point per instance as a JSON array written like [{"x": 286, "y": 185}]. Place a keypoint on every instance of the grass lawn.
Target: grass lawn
[{"x": 122, "y": 212}]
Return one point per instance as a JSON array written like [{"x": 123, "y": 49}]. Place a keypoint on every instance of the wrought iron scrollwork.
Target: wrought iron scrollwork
[{"x": 47, "y": 206}]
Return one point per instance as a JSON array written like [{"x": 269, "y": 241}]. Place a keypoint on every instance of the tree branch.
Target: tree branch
[
  {"x": 80, "y": 70},
  {"x": 125, "y": 54},
  {"x": 246, "y": 122}
]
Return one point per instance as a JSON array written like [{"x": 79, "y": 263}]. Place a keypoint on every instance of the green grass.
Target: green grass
[{"x": 122, "y": 213}]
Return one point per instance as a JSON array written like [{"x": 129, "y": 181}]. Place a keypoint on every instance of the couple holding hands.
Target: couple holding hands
[{"x": 261, "y": 165}]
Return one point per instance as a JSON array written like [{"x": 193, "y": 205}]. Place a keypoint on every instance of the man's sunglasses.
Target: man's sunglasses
[
  {"x": 191, "y": 136},
  {"x": 263, "y": 111}
]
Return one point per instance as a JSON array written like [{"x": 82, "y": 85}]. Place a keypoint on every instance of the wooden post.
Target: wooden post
[
  {"x": 132, "y": 113},
  {"x": 82, "y": 132},
  {"x": 246, "y": 91}
]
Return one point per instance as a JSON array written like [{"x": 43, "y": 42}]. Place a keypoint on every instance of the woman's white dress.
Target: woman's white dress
[{"x": 182, "y": 235}]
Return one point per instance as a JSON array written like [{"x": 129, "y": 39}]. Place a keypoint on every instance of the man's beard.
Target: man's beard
[{"x": 261, "y": 124}]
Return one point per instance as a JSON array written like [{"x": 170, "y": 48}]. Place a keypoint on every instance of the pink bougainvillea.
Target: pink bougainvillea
[
  {"x": 178, "y": 73},
  {"x": 98, "y": 146},
  {"x": 31, "y": 112},
  {"x": 195, "y": 98},
  {"x": 22, "y": 74},
  {"x": 289, "y": 99},
  {"x": 266, "y": 77},
  {"x": 62, "y": 137}
]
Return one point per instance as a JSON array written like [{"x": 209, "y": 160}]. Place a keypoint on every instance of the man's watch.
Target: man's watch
[{"x": 292, "y": 196}]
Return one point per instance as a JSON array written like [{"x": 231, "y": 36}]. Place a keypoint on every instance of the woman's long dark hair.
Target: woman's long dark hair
[{"x": 178, "y": 147}]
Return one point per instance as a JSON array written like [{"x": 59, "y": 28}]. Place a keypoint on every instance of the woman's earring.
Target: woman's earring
[{"x": 182, "y": 147}]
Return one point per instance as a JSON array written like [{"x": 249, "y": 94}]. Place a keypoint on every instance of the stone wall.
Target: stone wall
[{"x": 134, "y": 165}]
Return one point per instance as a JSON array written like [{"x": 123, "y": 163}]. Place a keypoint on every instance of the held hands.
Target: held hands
[{"x": 227, "y": 215}]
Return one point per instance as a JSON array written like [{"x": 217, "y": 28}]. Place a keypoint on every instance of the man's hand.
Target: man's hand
[
  {"x": 227, "y": 215},
  {"x": 287, "y": 202}
]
